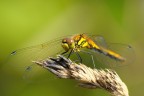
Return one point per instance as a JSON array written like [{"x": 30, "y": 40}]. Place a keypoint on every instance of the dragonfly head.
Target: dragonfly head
[{"x": 68, "y": 43}]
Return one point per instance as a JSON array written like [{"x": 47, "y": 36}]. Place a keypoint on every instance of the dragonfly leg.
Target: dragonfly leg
[
  {"x": 93, "y": 60},
  {"x": 64, "y": 53},
  {"x": 90, "y": 55},
  {"x": 70, "y": 54},
  {"x": 79, "y": 57}
]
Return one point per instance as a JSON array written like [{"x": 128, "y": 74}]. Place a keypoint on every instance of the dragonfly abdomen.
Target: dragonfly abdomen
[
  {"x": 110, "y": 54},
  {"x": 113, "y": 55}
]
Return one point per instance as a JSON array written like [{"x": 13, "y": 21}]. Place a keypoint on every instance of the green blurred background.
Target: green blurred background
[{"x": 29, "y": 22}]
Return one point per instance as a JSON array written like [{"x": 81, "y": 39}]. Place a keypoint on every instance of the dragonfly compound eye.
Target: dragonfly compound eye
[{"x": 68, "y": 43}]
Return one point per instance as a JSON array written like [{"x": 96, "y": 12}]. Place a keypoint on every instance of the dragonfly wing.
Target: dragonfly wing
[
  {"x": 102, "y": 60},
  {"x": 99, "y": 40},
  {"x": 21, "y": 59},
  {"x": 124, "y": 50}
]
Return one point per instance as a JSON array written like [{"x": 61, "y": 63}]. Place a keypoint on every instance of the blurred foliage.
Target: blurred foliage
[{"x": 29, "y": 22}]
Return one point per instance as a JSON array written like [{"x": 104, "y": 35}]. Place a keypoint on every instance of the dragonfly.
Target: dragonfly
[
  {"x": 75, "y": 43},
  {"x": 93, "y": 45}
]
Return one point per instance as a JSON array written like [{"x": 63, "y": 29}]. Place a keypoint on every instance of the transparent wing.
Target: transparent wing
[
  {"x": 102, "y": 61},
  {"x": 21, "y": 59},
  {"x": 124, "y": 50},
  {"x": 99, "y": 40}
]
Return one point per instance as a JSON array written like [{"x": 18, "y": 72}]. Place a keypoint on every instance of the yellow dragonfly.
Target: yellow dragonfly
[
  {"x": 95, "y": 46},
  {"x": 75, "y": 43}
]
